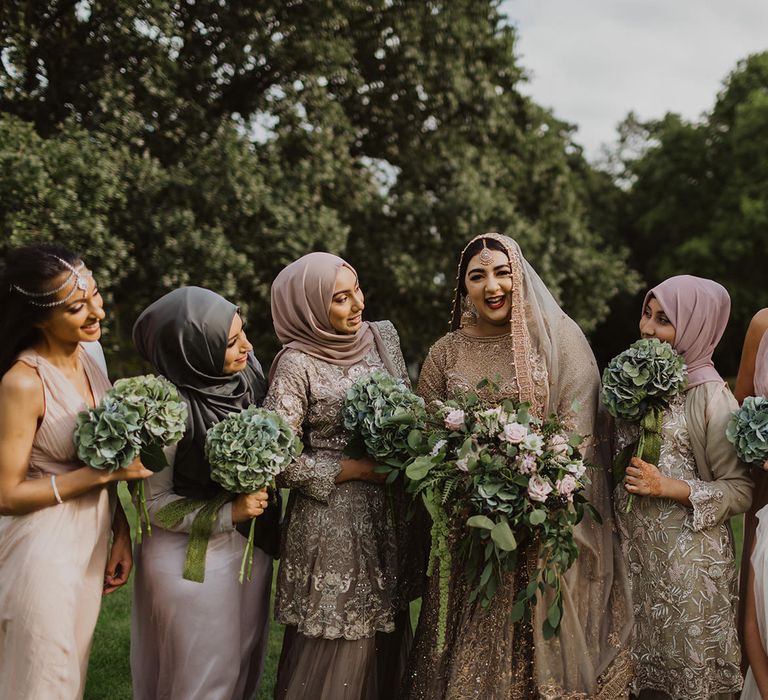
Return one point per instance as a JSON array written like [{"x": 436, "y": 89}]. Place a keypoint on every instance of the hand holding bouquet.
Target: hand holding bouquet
[
  {"x": 139, "y": 416},
  {"x": 380, "y": 412},
  {"x": 246, "y": 451},
  {"x": 637, "y": 385},
  {"x": 748, "y": 431},
  {"x": 509, "y": 477}
]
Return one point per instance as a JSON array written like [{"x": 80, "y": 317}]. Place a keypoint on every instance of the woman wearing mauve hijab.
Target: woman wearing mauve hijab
[
  {"x": 200, "y": 639},
  {"x": 349, "y": 567},
  {"x": 676, "y": 539}
]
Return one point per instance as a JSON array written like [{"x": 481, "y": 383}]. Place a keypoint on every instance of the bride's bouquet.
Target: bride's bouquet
[
  {"x": 246, "y": 451},
  {"x": 138, "y": 416},
  {"x": 380, "y": 412},
  {"x": 748, "y": 431},
  {"x": 509, "y": 478},
  {"x": 638, "y": 384}
]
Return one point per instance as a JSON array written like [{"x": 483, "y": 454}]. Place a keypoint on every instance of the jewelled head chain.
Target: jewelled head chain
[{"x": 81, "y": 283}]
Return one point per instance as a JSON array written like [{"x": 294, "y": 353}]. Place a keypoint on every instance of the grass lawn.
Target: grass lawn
[{"x": 109, "y": 673}]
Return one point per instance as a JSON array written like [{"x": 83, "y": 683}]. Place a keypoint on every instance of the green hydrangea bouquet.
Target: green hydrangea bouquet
[
  {"x": 748, "y": 431},
  {"x": 138, "y": 416},
  {"x": 246, "y": 451},
  {"x": 637, "y": 385},
  {"x": 379, "y": 412}
]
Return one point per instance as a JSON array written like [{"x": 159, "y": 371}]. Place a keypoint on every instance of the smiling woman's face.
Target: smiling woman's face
[
  {"x": 238, "y": 347},
  {"x": 79, "y": 319},
  {"x": 488, "y": 281},
  {"x": 655, "y": 324},
  {"x": 346, "y": 312}
]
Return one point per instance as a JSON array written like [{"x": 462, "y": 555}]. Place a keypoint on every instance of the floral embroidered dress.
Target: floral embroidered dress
[
  {"x": 683, "y": 574},
  {"x": 348, "y": 565}
]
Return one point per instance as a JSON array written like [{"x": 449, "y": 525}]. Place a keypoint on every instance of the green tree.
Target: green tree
[
  {"x": 698, "y": 200},
  {"x": 211, "y": 143}
]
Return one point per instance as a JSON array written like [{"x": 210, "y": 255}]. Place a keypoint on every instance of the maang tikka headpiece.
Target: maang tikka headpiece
[
  {"x": 81, "y": 283},
  {"x": 486, "y": 256}
]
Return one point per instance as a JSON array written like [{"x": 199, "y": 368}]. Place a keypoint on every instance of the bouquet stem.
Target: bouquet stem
[
  {"x": 649, "y": 443},
  {"x": 248, "y": 553},
  {"x": 141, "y": 512}
]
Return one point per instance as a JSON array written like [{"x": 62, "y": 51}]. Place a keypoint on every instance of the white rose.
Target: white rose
[
  {"x": 533, "y": 443},
  {"x": 576, "y": 468},
  {"x": 514, "y": 433},
  {"x": 455, "y": 419}
]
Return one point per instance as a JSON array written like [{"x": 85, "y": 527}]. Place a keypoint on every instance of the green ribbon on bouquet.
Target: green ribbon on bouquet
[
  {"x": 647, "y": 447},
  {"x": 202, "y": 527}
]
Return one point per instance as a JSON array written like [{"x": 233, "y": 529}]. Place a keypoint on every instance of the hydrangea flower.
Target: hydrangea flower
[
  {"x": 649, "y": 370},
  {"x": 747, "y": 430}
]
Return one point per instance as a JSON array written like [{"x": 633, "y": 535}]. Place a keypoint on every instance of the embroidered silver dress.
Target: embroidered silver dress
[
  {"x": 349, "y": 562},
  {"x": 683, "y": 575}
]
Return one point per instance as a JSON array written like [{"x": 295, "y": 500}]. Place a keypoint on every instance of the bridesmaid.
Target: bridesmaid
[
  {"x": 755, "y": 614},
  {"x": 676, "y": 538},
  {"x": 55, "y": 554},
  {"x": 752, "y": 380},
  {"x": 348, "y": 570},
  {"x": 188, "y": 639}
]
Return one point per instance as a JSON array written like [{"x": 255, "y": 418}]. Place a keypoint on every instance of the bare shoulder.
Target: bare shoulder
[
  {"x": 759, "y": 322},
  {"x": 21, "y": 386}
]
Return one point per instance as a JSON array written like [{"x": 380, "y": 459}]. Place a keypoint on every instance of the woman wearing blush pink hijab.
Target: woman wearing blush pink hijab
[
  {"x": 676, "y": 539},
  {"x": 350, "y": 562}
]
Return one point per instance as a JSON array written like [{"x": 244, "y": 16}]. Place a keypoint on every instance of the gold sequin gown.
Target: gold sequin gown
[
  {"x": 476, "y": 639},
  {"x": 487, "y": 657}
]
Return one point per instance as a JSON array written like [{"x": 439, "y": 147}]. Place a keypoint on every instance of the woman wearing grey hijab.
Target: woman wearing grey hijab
[
  {"x": 350, "y": 564},
  {"x": 204, "y": 639}
]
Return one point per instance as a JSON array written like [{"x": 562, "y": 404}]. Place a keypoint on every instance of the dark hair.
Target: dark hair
[
  {"x": 473, "y": 249},
  {"x": 32, "y": 268}
]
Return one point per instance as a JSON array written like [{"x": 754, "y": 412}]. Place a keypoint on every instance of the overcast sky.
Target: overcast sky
[{"x": 593, "y": 61}]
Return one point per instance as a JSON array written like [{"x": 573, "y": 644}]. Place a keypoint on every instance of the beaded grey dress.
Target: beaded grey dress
[
  {"x": 682, "y": 570},
  {"x": 349, "y": 566}
]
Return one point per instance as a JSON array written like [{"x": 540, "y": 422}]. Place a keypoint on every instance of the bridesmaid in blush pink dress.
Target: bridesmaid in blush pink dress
[
  {"x": 55, "y": 559},
  {"x": 752, "y": 380}
]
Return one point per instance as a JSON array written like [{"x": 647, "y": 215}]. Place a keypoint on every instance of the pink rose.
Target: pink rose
[
  {"x": 514, "y": 433},
  {"x": 455, "y": 419},
  {"x": 559, "y": 445},
  {"x": 538, "y": 489},
  {"x": 527, "y": 465},
  {"x": 566, "y": 486}
]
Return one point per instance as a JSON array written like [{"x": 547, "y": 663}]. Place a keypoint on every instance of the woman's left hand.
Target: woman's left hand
[
  {"x": 643, "y": 478},
  {"x": 120, "y": 560}
]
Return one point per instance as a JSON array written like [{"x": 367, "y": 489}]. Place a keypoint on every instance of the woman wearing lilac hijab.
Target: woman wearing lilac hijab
[
  {"x": 676, "y": 539},
  {"x": 350, "y": 562}
]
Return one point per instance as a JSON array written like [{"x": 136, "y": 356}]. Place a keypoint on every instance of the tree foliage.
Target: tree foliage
[
  {"x": 205, "y": 142},
  {"x": 698, "y": 201}
]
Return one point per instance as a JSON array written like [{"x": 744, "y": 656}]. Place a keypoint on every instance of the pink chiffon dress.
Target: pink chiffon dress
[{"x": 52, "y": 561}]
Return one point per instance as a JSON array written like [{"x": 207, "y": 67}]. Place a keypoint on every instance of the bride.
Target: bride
[{"x": 506, "y": 326}]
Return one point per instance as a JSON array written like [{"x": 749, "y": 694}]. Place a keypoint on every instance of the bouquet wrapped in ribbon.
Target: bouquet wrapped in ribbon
[
  {"x": 510, "y": 479},
  {"x": 638, "y": 385},
  {"x": 139, "y": 416},
  {"x": 380, "y": 412},
  {"x": 246, "y": 451},
  {"x": 747, "y": 431}
]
